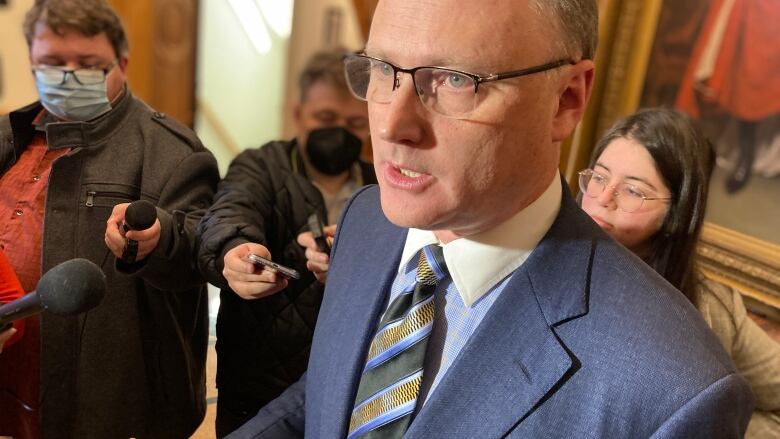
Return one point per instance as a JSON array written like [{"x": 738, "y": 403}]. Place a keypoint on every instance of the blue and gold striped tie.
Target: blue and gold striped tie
[{"x": 391, "y": 379}]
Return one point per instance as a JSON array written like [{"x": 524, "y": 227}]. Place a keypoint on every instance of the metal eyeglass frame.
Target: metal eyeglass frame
[
  {"x": 478, "y": 79},
  {"x": 65, "y": 72},
  {"x": 588, "y": 172}
]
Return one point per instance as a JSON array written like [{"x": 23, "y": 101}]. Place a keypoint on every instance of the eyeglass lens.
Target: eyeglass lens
[
  {"x": 54, "y": 76},
  {"x": 627, "y": 198},
  {"x": 444, "y": 91}
]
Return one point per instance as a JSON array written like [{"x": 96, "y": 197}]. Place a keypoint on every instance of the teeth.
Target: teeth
[{"x": 410, "y": 174}]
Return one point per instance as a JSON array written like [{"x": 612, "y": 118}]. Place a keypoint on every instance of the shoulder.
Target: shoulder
[
  {"x": 365, "y": 202},
  {"x": 641, "y": 317},
  {"x": 163, "y": 127},
  {"x": 722, "y": 309},
  {"x": 718, "y": 297},
  {"x": 275, "y": 152},
  {"x": 363, "y": 215},
  {"x": 272, "y": 158}
]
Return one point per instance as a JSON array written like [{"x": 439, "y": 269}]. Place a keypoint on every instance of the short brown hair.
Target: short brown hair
[
  {"x": 577, "y": 22},
  {"x": 326, "y": 66},
  {"x": 88, "y": 17}
]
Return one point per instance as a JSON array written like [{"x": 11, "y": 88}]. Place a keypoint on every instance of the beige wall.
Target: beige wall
[
  {"x": 308, "y": 36},
  {"x": 16, "y": 83},
  {"x": 245, "y": 99}
]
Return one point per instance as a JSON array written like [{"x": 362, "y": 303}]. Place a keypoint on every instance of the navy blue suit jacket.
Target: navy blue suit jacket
[{"x": 585, "y": 341}]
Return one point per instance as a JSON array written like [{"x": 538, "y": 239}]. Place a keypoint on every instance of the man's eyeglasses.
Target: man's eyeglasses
[
  {"x": 628, "y": 197},
  {"x": 446, "y": 91},
  {"x": 52, "y": 75}
]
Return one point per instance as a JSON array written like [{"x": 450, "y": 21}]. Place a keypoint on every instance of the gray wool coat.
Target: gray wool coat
[{"x": 135, "y": 365}]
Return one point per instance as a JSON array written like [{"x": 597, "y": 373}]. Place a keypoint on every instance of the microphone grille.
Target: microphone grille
[
  {"x": 140, "y": 215},
  {"x": 72, "y": 287}
]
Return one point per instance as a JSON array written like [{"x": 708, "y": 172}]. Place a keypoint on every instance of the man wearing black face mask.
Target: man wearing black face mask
[{"x": 266, "y": 322}]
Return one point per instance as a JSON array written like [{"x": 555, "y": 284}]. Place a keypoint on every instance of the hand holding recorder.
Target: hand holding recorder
[
  {"x": 317, "y": 243},
  {"x": 255, "y": 276}
]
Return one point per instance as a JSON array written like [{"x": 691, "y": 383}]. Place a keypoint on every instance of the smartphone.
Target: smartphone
[
  {"x": 279, "y": 268},
  {"x": 315, "y": 225}
]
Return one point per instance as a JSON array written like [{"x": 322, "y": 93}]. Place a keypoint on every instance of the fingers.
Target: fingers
[
  {"x": 114, "y": 236},
  {"x": 316, "y": 261},
  {"x": 330, "y": 233},
  {"x": 5, "y": 336},
  {"x": 147, "y": 239},
  {"x": 258, "y": 290},
  {"x": 306, "y": 239},
  {"x": 319, "y": 273},
  {"x": 248, "y": 280}
]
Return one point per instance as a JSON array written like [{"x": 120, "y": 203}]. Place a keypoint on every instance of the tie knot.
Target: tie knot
[{"x": 431, "y": 268}]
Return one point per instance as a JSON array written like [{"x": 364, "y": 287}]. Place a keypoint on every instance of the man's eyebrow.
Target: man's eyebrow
[{"x": 437, "y": 61}]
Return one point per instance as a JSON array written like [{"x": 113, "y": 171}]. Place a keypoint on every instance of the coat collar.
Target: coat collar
[{"x": 69, "y": 134}]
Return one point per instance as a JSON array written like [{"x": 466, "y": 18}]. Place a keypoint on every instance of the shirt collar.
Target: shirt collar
[{"x": 478, "y": 262}]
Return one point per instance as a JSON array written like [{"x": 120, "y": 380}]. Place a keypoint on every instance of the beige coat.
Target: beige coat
[{"x": 755, "y": 354}]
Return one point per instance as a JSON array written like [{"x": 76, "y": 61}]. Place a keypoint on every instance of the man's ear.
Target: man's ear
[
  {"x": 122, "y": 63},
  {"x": 573, "y": 94},
  {"x": 297, "y": 115}
]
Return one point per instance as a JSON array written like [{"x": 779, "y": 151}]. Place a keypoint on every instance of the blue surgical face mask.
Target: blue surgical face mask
[{"x": 74, "y": 101}]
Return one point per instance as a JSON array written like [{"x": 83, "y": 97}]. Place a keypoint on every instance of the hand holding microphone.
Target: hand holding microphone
[
  {"x": 72, "y": 287},
  {"x": 133, "y": 230}
]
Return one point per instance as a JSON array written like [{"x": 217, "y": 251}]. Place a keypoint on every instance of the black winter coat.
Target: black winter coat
[{"x": 263, "y": 345}]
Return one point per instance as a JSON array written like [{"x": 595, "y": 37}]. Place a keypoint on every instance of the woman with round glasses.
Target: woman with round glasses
[{"x": 647, "y": 188}]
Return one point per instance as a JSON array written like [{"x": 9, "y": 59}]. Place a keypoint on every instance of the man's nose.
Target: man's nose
[{"x": 402, "y": 120}]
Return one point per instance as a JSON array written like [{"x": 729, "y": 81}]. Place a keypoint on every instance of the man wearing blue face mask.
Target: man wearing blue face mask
[
  {"x": 265, "y": 322},
  {"x": 70, "y": 164}
]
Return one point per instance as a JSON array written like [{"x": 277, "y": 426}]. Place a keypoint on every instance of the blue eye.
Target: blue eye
[
  {"x": 384, "y": 68},
  {"x": 455, "y": 80}
]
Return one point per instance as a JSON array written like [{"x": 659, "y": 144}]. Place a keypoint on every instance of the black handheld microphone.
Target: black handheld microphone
[
  {"x": 140, "y": 215},
  {"x": 72, "y": 287}
]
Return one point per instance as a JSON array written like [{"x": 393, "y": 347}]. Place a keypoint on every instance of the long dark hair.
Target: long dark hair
[{"x": 684, "y": 158}]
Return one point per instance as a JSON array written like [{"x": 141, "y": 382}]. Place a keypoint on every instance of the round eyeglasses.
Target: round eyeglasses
[
  {"x": 53, "y": 75},
  {"x": 449, "y": 92},
  {"x": 628, "y": 197}
]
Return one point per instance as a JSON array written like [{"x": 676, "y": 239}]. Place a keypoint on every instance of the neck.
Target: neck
[{"x": 329, "y": 183}]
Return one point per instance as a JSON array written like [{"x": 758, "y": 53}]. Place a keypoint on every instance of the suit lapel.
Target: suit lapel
[
  {"x": 364, "y": 267},
  {"x": 514, "y": 360},
  {"x": 506, "y": 368}
]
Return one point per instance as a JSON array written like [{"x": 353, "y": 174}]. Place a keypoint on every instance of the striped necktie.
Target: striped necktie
[{"x": 391, "y": 379}]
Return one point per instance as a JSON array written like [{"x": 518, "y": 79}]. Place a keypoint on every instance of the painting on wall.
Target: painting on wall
[{"x": 719, "y": 62}]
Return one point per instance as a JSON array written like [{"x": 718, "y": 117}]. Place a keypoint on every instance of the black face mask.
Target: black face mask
[{"x": 332, "y": 150}]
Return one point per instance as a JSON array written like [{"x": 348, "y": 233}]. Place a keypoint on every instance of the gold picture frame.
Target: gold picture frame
[{"x": 627, "y": 30}]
